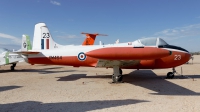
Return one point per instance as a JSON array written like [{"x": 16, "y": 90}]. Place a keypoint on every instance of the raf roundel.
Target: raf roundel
[
  {"x": 24, "y": 44},
  {"x": 81, "y": 56}
]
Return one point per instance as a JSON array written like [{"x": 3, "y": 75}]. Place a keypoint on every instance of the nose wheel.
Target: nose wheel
[
  {"x": 170, "y": 75},
  {"x": 117, "y": 79}
]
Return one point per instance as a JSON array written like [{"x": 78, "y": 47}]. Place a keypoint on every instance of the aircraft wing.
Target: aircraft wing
[
  {"x": 26, "y": 52},
  {"x": 121, "y": 63},
  {"x": 10, "y": 63}
]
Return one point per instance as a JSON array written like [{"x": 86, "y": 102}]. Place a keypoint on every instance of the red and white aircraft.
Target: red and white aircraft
[{"x": 147, "y": 53}]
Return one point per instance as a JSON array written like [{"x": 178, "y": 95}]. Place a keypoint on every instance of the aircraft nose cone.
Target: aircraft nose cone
[{"x": 188, "y": 56}]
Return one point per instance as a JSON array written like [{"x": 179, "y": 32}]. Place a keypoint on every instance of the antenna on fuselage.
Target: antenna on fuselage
[
  {"x": 100, "y": 43},
  {"x": 117, "y": 41}
]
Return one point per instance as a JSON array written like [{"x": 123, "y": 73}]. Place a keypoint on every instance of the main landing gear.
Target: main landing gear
[
  {"x": 170, "y": 75},
  {"x": 13, "y": 66},
  {"x": 117, "y": 74}
]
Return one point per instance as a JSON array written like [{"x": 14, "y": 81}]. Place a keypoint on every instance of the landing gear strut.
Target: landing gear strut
[
  {"x": 170, "y": 75},
  {"x": 117, "y": 76},
  {"x": 13, "y": 67}
]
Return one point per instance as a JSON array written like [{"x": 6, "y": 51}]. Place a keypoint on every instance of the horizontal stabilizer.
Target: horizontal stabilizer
[
  {"x": 94, "y": 34},
  {"x": 90, "y": 38},
  {"x": 27, "y": 52}
]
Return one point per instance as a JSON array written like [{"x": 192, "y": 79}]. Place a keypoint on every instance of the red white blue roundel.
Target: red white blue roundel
[{"x": 81, "y": 56}]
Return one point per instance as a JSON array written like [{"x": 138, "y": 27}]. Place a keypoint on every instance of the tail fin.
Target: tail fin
[
  {"x": 26, "y": 43},
  {"x": 42, "y": 38},
  {"x": 90, "y": 38}
]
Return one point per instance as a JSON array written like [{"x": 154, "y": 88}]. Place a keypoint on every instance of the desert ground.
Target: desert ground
[{"x": 64, "y": 88}]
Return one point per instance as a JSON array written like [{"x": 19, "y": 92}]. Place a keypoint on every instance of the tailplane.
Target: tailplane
[{"x": 90, "y": 38}]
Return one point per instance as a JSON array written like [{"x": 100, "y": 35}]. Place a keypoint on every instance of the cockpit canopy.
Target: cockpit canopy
[
  {"x": 2, "y": 50},
  {"x": 157, "y": 42},
  {"x": 152, "y": 42}
]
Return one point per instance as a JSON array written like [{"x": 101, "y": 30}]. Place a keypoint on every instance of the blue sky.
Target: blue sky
[{"x": 176, "y": 21}]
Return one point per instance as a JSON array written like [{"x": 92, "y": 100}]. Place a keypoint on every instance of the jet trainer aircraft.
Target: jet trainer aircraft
[
  {"x": 147, "y": 53},
  {"x": 8, "y": 57}
]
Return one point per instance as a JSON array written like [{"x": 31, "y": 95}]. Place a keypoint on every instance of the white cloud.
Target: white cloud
[
  {"x": 12, "y": 38},
  {"x": 10, "y": 46},
  {"x": 187, "y": 37},
  {"x": 71, "y": 36},
  {"x": 55, "y": 2},
  {"x": 179, "y": 32},
  {"x": 68, "y": 36}
]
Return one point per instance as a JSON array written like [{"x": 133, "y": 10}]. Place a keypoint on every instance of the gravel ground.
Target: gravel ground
[{"x": 63, "y": 88}]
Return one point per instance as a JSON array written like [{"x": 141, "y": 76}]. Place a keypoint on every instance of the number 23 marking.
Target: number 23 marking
[
  {"x": 177, "y": 57},
  {"x": 46, "y": 35}
]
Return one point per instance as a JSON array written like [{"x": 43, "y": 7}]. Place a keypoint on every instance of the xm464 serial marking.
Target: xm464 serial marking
[{"x": 55, "y": 57}]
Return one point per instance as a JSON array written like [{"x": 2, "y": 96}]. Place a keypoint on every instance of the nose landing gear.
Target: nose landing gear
[{"x": 170, "y": 75}]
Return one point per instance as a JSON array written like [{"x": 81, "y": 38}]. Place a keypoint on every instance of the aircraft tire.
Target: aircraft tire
[
  {"x": 12, "y": 68},
  {"x": 117, "y": 79},
  {"x": 170, "y": 75},
  {"x": 120, "y": 71},
  {"x": 14, "y": 65}
]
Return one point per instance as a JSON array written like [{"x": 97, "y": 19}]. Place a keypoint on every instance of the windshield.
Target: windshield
[
  {"x": 153, "y": 42},
  {"x": 149, "y": 41},
  {"x": 161, "y": 42}
]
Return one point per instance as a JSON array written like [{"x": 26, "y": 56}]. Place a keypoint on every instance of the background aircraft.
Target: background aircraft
[
  {"x": 148, "y": 53},
  {"x": 8, "y": 57}
]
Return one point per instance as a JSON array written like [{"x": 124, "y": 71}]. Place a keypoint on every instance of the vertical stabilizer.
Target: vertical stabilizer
[
  {"x": 42, "y": 39},
  {"x": 26, "y": 43}
]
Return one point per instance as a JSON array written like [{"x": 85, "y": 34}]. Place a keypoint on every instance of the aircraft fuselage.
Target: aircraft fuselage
[{"x": 76, "y": 56}]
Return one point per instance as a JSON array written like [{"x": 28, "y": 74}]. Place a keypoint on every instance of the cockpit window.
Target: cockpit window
[
  {"x": 153, "y": 42},
  {"x": 161, "y": 42},
  {"x": 149, "y": 41}
]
